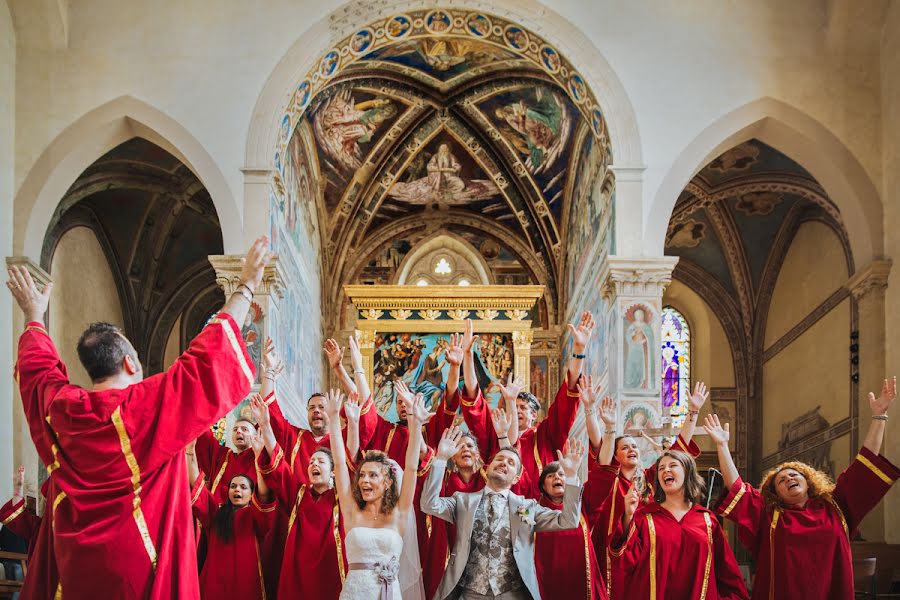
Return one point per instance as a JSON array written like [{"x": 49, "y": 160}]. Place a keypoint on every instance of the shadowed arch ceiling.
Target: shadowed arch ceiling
[
  {"x": 157, "y": 225},
  {"x": 445, "y": 120}
]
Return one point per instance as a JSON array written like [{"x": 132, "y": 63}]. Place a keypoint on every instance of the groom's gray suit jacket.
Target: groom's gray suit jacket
[{"x": 460, "y": 510}]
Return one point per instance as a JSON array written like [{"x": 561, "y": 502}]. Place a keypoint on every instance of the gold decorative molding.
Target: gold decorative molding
[
  {"x": 444, "y": 297},
  {"x": 872, "y": 278},
  {"x": 228, "y": 275},
  {"x": 637, "y": 277},
  {"x": 40, "y": 276}
]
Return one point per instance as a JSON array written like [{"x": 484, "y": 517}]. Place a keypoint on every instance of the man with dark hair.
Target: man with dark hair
[
  {"x": 539, "y": 443},
  {"x": 117, "y": 501}
]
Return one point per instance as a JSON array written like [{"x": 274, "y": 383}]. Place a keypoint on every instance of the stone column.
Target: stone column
[
  {"x": 634, "y": 288},
  {"x": 14, "y": 428},
  {"x": 261, "y": 321},
  {"x": 867, "y": 286},
  {"x": 522, "y": 351}
]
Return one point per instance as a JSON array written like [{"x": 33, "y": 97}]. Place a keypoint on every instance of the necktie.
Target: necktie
[{"x": 493, "y": 508}]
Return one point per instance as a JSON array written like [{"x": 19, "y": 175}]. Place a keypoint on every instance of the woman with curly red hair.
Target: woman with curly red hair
[{"x": 799, "y": 524}]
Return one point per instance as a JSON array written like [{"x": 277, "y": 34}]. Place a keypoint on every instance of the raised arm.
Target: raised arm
[
  {"x": 508, "y": 394},
  {"x": 333, "y": 401},
  {"x": 581, "y": 335},
  {"x": 417, "y": 417},
  {"x": 590, "y": 397},
  {"x": 656, "y": 445},
  {"x": 253, "y": 265},
  {"x": 359, "y": 374},
  {"x": 608, "y": 416},
  {"x": 554, "y": 520},
  {"x": 190, "y": 455},
  {"x": 502, "y": 421},
  {"x": 352, "y": 412},
  {"x": 468, "y": 347},
  {"x": 720, "y": 436},
  {"x": 431, "y": 502},
  {"x": 335, "y": 355},
  {"x": 879, "y": 406},
  {"x": 695, "y": 403},
  {"x": 262, "y": 488},
  {"x": 455, "y": 355}
]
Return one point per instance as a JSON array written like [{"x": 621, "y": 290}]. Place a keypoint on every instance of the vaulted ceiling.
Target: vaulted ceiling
[
  {"x": 437, "y": 121},
  {"x": 156, "y": 224}
]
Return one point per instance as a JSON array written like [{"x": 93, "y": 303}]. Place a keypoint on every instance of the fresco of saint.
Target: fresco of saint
[
  {"x": 341, "y": 125},
  {"x": 539, "y": 130},
  {"x": 443, "y": 185}
]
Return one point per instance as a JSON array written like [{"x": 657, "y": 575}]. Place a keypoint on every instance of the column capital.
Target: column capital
[
  {"x": 871, "y": 278},
  {"x": 639, "y": 277},
  {"x": 522, "y": 339},
  {"x": 228, "y": 275},
  {"x": 40, "y": 276}
]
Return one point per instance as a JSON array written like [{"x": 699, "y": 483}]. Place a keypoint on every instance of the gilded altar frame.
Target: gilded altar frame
[{"x": 444, "y": 309}]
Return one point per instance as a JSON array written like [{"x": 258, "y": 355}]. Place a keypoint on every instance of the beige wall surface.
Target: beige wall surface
[
  {"x": 814, "y": 370},
  {"x": 83, "y": 292},
  {"x": 813, "y": 270}
]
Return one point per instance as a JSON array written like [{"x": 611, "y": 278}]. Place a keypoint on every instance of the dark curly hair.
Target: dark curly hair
[
  {"x": 391, "y": 494},
  {"x": 818, "y": 483},
  {"x": 694, "y": 487}
]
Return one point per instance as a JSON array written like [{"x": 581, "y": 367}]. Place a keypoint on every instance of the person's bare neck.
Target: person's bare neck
[
  {"x": 318, "y": 434},
  {"x": 320, "y": 488},
  {"x": 466, "y": 473},
  {"x": 676, "y": 501},
  {"x": 627, "y": 472},
  {"x": 116, "y": 382},
  {"x": 496, "y": 486}
]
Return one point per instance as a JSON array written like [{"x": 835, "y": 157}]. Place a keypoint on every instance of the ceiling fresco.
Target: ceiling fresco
[
  {"x": 446, "y": 117},
  {"x": 735, "y": 218}
]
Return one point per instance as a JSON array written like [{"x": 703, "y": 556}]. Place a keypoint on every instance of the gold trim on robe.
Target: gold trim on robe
[
  {"x": 775, "y": 516},
  {"x": 219, "y": 475},
  {"x": 881, "y": 474},
  {"x": 709, "y": 555},
  {"x": 734, "y": 501},
  {"x": 336, "y": 517},
  {"x": 130, "y": 459},
  {"x": 652, "y": 530},
  {"x": 15, "y": 514},
  {"x": 232, "y": 339}
]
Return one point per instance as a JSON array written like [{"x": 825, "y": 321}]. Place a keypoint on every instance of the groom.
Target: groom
[{"x": 494, "y": 552}]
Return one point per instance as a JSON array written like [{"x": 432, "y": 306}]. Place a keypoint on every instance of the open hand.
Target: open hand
[
  {"x": 334, "y": 353},
  {"x": 468, "y": 338},
  {"x": 581, "y": 334},
  {"x": 30, "y": 299},
  {"x": 572, "y": 458},
  {"x": 511, "y": 390},
  {"x": 260, "y": 411},
  {"x": 418, "y": 410},
  {"x": 272, "y": 364},
  {"x": 718, "y": 434},
  {"x": 451, "y": 443},
  {"x": 355, "y": 354},
  {"x": 608, "y": 412},
  {"x": 254, "y": 263},
  {"x": 502, "y": 421},
  {"x": 454, "y": 351},
  {"x": 352, "y": 409},
  {"x": 403, "y": 391},
  {"x": 333, "y": 401},
  {"x": 632, "y": 501},
  {"x": 588, "y": 393},
  {"x": 699, "y": 397},
  {"x": 881, "y": 404}
]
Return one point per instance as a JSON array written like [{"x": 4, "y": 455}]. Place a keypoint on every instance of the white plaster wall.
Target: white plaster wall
[
  {"x": 683, "y": 65},
  {"x": 7, "y": 144}
]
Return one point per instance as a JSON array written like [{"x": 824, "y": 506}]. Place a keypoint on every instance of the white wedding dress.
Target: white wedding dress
[{"x": 371, "y": 546}]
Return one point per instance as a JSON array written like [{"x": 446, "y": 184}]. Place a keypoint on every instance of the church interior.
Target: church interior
[{"x": 716, "y": 183}]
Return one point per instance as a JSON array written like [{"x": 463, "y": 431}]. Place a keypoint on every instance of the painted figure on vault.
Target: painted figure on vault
[
  {"x": 443, "y": 185},
  {"x": 341, "y": 125},
  {"x": 639, "y": 342},
  {"x": 541, "y": 130}
]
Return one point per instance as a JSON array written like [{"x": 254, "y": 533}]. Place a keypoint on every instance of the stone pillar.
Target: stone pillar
[
  {"x": 522, "y": 351},
  {"x": 634, "y": 288},
  {"x": 867, "y": 287},
  {"x": 366, "y": 340},
  {"x": 19, "y": 449},
  {"x": 257, "y": 183},
  {"x": 261, "y": 321}
]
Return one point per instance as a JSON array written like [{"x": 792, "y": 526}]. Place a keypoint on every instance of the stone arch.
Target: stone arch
[
  {"x": 265, "y": 122},
  {"x": 452, "y": 242},
  {"x": 89, "y": 138},
  {"x": 804, "y": 140}
]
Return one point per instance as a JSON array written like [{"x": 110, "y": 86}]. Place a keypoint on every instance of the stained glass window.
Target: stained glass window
[{"x": 676, "y": 365}]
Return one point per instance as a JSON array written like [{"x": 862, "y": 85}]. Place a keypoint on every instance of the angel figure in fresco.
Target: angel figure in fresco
[
  {"x": 341, "y": 125},
  {"x": 539, "y": 131},
  {"x": 442, "y": 54},
  {"x": 640, "y": 350},
  {"x": 443, "y": 185}
]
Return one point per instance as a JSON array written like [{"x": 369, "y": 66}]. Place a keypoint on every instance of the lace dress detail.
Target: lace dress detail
[{"x": 375, "y": 546}]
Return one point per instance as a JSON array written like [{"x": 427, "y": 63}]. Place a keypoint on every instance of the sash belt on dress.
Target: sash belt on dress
[{"x": 386, "y": 573}]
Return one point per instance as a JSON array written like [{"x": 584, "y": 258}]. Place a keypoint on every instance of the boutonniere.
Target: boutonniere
[{"x": 526, "y": 515}]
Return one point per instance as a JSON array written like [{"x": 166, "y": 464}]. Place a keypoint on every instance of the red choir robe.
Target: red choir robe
[
  {"x": 537, "y": 445},
  {"x": 22, "y": 521},
  {"x": 222, "y": 464},
  {"x": 120, "y": 511},
  {"x": 566, "y": 560},
  {"x": 805, "y": 552},
  {"x": 614, "y": 507},
  {"x": 232, "y": 569},
  {"x": 313, "y": 565},
  {"x": 687, "y": 560}
]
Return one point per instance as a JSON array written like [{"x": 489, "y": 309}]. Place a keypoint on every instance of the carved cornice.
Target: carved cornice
[
  {"x": 40, "y": 276},
  {"x": 871, "y": 279},
  {"x": 228, "y": 275},
  {"x": 639, "y": 277},
  {"x": 444, "y": 297}
]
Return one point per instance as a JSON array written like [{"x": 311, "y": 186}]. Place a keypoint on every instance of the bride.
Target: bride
[{"x": 377, "y": 507}]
